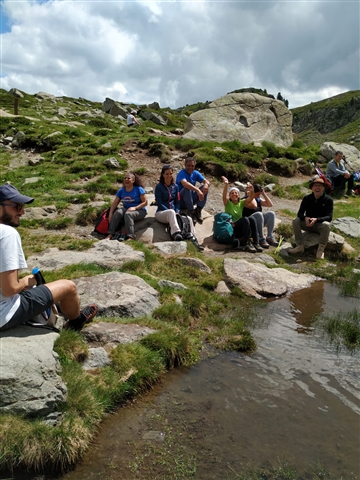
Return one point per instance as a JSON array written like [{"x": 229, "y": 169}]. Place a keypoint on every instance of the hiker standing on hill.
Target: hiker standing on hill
[
  {"x": 19, "y": 301},
  {"x": 314, "y": 215},
  {"x": 339, "y": 176},
  {"x": 192, "y": 198}
]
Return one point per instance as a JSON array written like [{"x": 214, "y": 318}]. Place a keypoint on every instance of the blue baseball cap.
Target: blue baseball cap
[{"x": 8, "y": 192}]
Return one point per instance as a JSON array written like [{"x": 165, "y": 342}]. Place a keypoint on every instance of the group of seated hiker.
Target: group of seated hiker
[{"x": 171, "y": 198}]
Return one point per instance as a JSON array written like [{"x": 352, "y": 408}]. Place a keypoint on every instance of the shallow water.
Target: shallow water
[{"x": 295, "y": 401}]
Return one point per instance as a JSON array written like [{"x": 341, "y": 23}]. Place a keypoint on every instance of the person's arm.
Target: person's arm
[
  {"x": 327, "y": 211},
  {"x": 141, "y": 205},
  {"x": 249, "y": 195},
  {"x": 159, "y": 199},
  {"x": 332, "y": 169},
  {"x": 113, "y": 207},
  {"x": 225, "y": 190},
  {"x": 10, "y": 283},
  {"x": 265, "y": 201}
]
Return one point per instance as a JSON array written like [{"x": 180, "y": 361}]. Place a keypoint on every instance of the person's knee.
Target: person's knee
[{"x": 296, "y": 222}]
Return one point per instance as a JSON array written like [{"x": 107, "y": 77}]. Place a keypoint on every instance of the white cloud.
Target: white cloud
[{"x": 179, "y": 52}]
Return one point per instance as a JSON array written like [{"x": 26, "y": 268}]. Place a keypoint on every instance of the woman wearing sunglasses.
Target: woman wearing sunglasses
[
  {"x": 134, "y": 201},
  {"x": 168, "y": 202}
]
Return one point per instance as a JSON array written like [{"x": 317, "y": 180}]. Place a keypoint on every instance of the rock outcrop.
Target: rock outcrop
[
  {"x": 352, "y": 154},
  {"x": 246, "y": 117},
  {"x": 259, "y": 281}
]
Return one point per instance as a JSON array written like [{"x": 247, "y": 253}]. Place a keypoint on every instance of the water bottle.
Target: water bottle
[{"x": 40, "y": 280}]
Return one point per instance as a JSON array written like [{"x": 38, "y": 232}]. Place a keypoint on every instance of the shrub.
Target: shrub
[
  {"x": 272, "y": 149},
  {"x": 265, "y": 179},
  {"x": 99, "y": 122},
  {"x": 86, "y": 216},
  {"x": 58, "y": 223},
  {"x": 285, "y": 230},
  {"x": 282, "y": 166}
]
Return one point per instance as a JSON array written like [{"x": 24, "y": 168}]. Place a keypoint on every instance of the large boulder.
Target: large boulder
[
  {"x": 259, "y": 281},
  {"x": 29, "y": 373},
  {"x": 352, "y": 154},
  {"x": 114, "y": 108},
  {"x": 246, "y": 117}
]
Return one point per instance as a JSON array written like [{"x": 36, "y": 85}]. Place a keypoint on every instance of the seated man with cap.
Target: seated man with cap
[
  {"x": 314, "y": 215},
  {"x": 19, "y": 302}
]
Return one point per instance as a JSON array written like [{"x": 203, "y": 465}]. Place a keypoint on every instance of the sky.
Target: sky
[{"x": 180, "y": 52}]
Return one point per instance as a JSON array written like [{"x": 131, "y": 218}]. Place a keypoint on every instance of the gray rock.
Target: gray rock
[
  {"x": 16, "y": 93},
  {"x": 111, "y": 162},
  {"x": 171, "y": 248},
  {"x": 97, "y": 358},
  {"x": 153, "y": 117},
  {"x": 29, "y": 372},
  {"x": 19, "y": 139},
  {"x": 45, "y": 96},
  {"x": 283, "y": 252},
  {"x": 174, "y": 285},
  {"x": 335, "y": 242},
  {"x": 259, "y": 281},
  {"x": 105, "y": 253},
  {"x": 348, "y": 225},
  {"x": 351, "y": 153},
  {"x": 112, "y": 334},
  {"x": 265, "y": 258},
  {"x": 62, "y": 111},
  {"x": 246, "y": 117},
  {"x": 196, "y": 263},
  {"x": 270, "y": 187},
  {"x": 240, "y": 186},
  {"x": 118, "y": 294},
  {"x": 222, "y": 288},
  {"x": 49, "y": 138},
  {"x": 35, "y": 161},
  {"x": 32, "y": 180},
  {"x": 38, "y": 213},
  {"x": 114, "y": 108}
]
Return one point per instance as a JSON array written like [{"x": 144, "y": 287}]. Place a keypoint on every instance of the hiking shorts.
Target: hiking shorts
[{"x": 32, "y": 302}]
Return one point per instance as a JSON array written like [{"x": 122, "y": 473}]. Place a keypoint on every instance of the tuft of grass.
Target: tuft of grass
[{"x": 342, "y": 329}]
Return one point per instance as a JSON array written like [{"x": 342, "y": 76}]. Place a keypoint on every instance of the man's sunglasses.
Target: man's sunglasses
[{"x": 18, "y": 206}]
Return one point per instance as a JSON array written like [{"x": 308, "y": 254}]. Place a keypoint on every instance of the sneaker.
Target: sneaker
[
  {"x": 249, "y": 248},
  {"x": 86, "y": 315},
  {"x": 257, "y": 247},
  {"x": 271, "y": 242},
  {"x": 320, "y": 251},
  {"x": 177, "y": 237},
  {"x": 350, "y": 193},
  {"x": 122, "y": 237},
  {"x": 263, "y": 243},
  {"x": 196, "y": 243},
  {"x": 296, "y": 250}
]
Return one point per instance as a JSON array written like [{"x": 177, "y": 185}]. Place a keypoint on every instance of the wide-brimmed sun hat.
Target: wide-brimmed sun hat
[{"x": 315, "y": 180}]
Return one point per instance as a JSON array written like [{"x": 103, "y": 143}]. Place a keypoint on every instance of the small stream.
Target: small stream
[{"x": 294, "y": 402}]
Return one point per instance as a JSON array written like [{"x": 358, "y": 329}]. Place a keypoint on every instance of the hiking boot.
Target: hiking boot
[
  {"x": 237, "y": 245},
  {"x": 86, "y": 315},
  {"x": 177, "y": 237},
  {"x": 257, "y": 247},
  {"x": 121, "y": 237},
  {"x": 350, "y": 193},
  {"x": 196, "y": 243},
  {"x": 271, "y": 241},
  {"x": 320, "y": 251},
  {"x": 296, "y": 250},
  {"x": 249, "y": 248},
  {"x": 263, "y": 243}
]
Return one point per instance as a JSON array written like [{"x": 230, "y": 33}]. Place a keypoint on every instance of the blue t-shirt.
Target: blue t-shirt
[
  {"x": 194, "y": 177},
  {"x": 132, "y": 198}
]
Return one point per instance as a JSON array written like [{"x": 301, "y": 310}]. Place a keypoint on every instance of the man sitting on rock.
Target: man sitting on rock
[
  {"x": 339, "y": 176},
  {"x": 314, "y": 215},
  {"x": 192, "y": 198},
  {"x": 19, "y": 302}
]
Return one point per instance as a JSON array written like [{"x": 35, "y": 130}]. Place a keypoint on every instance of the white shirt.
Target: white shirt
[{"x": 11, "y": 258}]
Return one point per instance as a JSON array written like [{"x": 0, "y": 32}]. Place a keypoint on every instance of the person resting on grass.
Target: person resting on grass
[
  {"x": 19, "y": 301},
  {"x": 244, "y": 227}
]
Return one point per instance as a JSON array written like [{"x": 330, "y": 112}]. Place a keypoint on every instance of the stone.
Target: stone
[
  {"x": 45, "y": 96},
  {"x": 38, "y": 213},
  {"x": 98, "y": 358},
  {"x": 259, "y": 281},
  {"x": 16, "y": 93},
  {"x": 118, "y": 294},
  {"x": 265, "y": 258},
  {"x": 335, "y": 242},
  {"x": 32, "y": 180},
  {"x": 174, "y": 285},
  {"x": 222, "y": 288},
  {"x": 352, "y": 154},
  {"x": 48, "y": 140},
  {"x": 247, "y": 117},
  {"x": 19, "y": 139},
  {"x": 29, "y": 372},
  {"x": 109, "y": 335},
  {"x": 105, "y": 253},
  {"x": 62, "y": 111},
  {"x": 348, "y": 225},
  {"x": 111, "y": 162},
  {"x": 153, "y": 117},
  {"x": 196, "y": 263},
  {"x": 114, "y": 108},
  {"x": 171, "y": 248}
]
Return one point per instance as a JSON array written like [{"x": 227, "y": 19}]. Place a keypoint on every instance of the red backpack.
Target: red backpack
[{"x": 102, "y": 222}]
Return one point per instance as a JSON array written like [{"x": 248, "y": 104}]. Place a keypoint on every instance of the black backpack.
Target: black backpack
[{"x": 184, "y": 223}]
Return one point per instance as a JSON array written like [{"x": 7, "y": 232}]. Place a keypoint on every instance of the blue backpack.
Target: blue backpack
[{"x": 223, "y": 231}]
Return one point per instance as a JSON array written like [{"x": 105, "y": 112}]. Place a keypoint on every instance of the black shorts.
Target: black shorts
[{"x": 32, "y": 302}]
